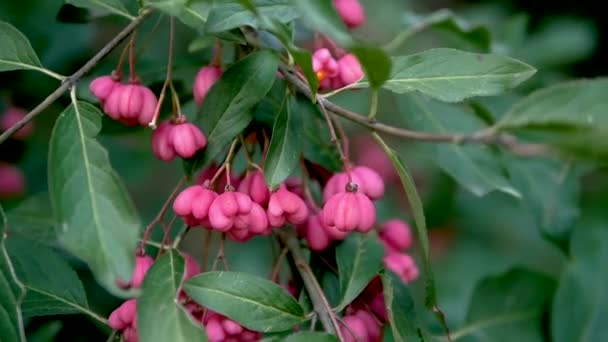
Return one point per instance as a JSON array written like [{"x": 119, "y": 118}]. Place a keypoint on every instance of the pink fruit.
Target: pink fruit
[
  {"x": 12, "y": 181},
  {"x": 11, "y": 117},
  {"x": 396, "y": 234},
  {"x": 348, "y": 211},
  {"x": 351, "y": 12},
  {"x": 285, "y": 206},
  {"x": 204, "y": 80},
  {"x": 186, "y": 139}
]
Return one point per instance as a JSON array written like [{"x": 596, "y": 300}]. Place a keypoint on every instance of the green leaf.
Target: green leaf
[
  {"x": 359, "y": 259},
  {"x": 544, "y": 48},
  {"x": 11, "y": 293},
  {"x": 550, "y": 192},
  {"x": 227, "y": 109},
  {"x": 306, "y": 336},
  {"x": 285, "y": 146},
  {"x": 108, "y": 6},
  {"x": 17, "y": 52},
  {"x": 400, "y": 309},
  {"x": 421, "y": 231},
  {"x": 159, "y": 315},
  {"x": 52, "y": 286},
  {"x": 321, "y": 16},
  {"x": 475, "y": 167},
  {"x": 452, "y": 75},
  {"x": 254, "y": 302},
  {"x": 575, "y": 104},
  {"x": 318, "y": 148},
  {"x": 579, "y": 305},
  {"x": 231, "y": 14},
  {"x": 569, "y": 116},
  {"x": 302, "y": 57},
  {"x": 33, "y": 218},
  {"x": 46, "y": 332},
  {"x": 98, "y": 221},
  {"x": 442, "y": 20},
  {"x": 508, "y": 307},
  {"x": 375, "y": 62},
  {"x": 193, "y": 14}
]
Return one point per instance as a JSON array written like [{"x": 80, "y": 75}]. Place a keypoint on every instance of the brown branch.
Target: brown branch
[
  {"x": 319, "y": 302},
  {"x": 74, "y": 78},
  {"x": 160, "y": 217},
  {"x": 487, "y": 136}
]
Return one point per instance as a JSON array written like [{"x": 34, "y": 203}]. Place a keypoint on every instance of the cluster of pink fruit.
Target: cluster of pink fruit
[
  {"x": 364, "y": 318},
  {"x": 218, "y": 327},
  {"x": 12, "y": 179},
  {"x": 243, "y": 212},
  {"x": 131, "y": 103},
  {"x": 339, "y": 69}
]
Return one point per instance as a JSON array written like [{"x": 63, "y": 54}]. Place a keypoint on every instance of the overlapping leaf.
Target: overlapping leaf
[{"x": 98, "y": 222}]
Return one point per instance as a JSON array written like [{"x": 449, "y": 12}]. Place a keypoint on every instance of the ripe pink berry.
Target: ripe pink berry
[
  {"x": 186, "y": 139},
  {"x": 231, "y": 327},
  {"x": 402, "y": 265},
  {"x": 369, "y": 182},
  {"x": 205, "y": 78},
  {"x": 372, "y": 325},
  {"x": 316, "y": 234},
  {"x": 369, "y": 154},
  {"x": 356, "y": 330},
  {"x": 12, "y": 181},
  {"x": 131, "y": 104},
  {"x": 192, "y": 267},
  {"x": 201, "y": 204},
  {"x": 123, "y": 316},
  {"x": 285, "y": 206},
  {"x": 182, "y": 206},
  {"x": 351, "y": 12},
  {"x": 215, "y": 331},
  {"x": 349, "y": 211},
  {"x": 226, "y": 208},
  {"x": 378, "y": 306},
  {"x": 258, "y": 221},
  {"x": 10, "y": 118},
  {"x": 255, "y": 186},
  {"x": 142, "y": 265},
  {"x": 349, "y": 69},
  {"x": 160, "y": 142},
  {"x": 325, "y": 67},
  {"x": 396, "y": 234},
  {"x": 102, "y": 87}
]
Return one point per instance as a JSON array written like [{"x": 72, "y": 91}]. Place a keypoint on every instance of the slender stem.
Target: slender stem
[
  {"x": 49, "y": 73},
  {"x": 486, "y": 136},
  {"x": 319, "y": 302},
  {"x": 206, "y": 249},
  {"x": 373, "y": 108},
  {"x": 334, "y": 138},
  {"x": 343, "y": 136},
  {"x": 169, "y": 76},
  {"x": 132, "y": 73},
  {"x": 221, "y": 255},
  {"x": 180, "y": 236},
  {"x": 276, "y": 270},
  {"x": 121, "y": 60},
  {"x": 73, "y": 79},
  {"x": 161, "y": 214}
]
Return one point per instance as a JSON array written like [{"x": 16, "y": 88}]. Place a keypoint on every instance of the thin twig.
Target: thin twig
[
  {"x": 221, "y": 255},
  {"x": 276, "y": 270},
  {"x": 161, "y": 214},
  {"x": 206, "y": 249},
  {"x": 319, "y": 302},
  {"x": 487, "y": 136},
  {"x": 168, "y": 78},
  {"x": 73, "y": 79},
  {"x": 334, "y": 138}
]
